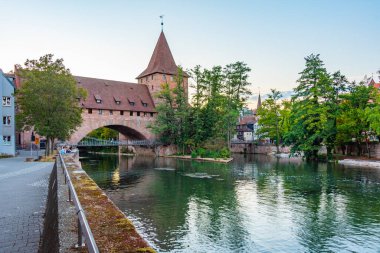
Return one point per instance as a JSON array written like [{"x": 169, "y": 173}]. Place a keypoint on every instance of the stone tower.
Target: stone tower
[{"x": 161, "y": 69}]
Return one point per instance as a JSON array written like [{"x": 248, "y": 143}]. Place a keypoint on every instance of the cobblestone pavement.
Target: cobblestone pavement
[{"x": 23, "y": 193}]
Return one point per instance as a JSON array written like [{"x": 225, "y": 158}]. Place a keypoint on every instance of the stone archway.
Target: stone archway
[{"x": 133, "y": 127}]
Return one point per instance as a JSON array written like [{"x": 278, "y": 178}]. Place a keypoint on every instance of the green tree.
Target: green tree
[
  {"x": 270, "y": 117},
  {"x": 352, "y": 119},
  {"x": 237, "y": 91},
  {"x": 331, "y": 99},
  {"x": 48, "y": 99},
  {"x": 309, "y": 114},
  {"x": 104, "y": 133}
]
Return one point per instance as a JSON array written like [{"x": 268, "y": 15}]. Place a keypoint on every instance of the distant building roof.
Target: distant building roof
[
  {"x": 247, "y": 120},
  {"x": 373, "y": 83},
  {"x": 162, "y": 60},
  {"x": 115, "y": 95}
]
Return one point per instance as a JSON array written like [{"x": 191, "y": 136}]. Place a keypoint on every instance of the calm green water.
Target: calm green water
[{"x": 254, "y": 204}]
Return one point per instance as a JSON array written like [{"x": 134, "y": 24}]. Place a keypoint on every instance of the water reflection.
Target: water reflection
[{"x": 256, "y": 203}]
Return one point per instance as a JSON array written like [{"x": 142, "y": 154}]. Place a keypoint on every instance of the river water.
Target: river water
[{"x": 253, "y": 204}]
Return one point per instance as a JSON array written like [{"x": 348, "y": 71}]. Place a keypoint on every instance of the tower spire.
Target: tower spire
[
  {"x": 162, "y": 22},
  {"x": 259, "y": 101}
]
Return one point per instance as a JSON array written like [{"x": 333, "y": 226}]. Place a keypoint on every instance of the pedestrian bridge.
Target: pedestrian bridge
[{"x": 93, "y": 142}]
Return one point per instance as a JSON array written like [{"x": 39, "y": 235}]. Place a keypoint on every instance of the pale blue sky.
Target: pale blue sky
[{"x": 115, "y": 39}]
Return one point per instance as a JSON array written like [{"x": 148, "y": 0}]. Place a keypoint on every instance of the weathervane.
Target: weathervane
[{"x": 162, "y": 22}]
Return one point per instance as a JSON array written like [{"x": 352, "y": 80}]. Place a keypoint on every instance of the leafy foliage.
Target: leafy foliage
[
  {"x": 48, "y": 99},
  {"x": 219, "y": 95}
]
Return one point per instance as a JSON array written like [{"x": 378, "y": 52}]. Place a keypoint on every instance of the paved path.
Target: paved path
[{"x": 23, "y": 192}]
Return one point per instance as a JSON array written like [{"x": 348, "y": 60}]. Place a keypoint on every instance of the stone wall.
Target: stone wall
[
  {"x": 166, "y": 150},
  {"x": 257, "y": 149}
]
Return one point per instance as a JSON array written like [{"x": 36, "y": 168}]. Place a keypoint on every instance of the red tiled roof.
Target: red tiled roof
[
  {"x": 376, "y": 85},
  {"x": 111, "y": 91},
  {"x": 162, "y": 60},
  {"x": 247, "y": 119}
]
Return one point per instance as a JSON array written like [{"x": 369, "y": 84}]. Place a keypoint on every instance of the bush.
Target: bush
[
  {"x": 194, "y": 154},
  {"x": 224, "y": 153},
  {"x": 201, "y": 152}
]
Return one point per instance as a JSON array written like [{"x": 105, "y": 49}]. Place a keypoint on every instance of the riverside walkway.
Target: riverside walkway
[{"x": 23, "y": 193}]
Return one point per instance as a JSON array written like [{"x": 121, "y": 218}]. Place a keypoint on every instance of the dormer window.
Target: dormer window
[
  {"x": 144, "y": 102},
  {"x": 98, "y": 99},
  {"x": 117, "y": 100},
  {"x": 131, "y": 101}
]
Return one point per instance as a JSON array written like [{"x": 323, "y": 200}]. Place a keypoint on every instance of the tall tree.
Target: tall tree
[
  {"x": 309, "y": 113},
  {"x": 352, "y": 119},
  {"x": 270, "y": 117},
  {"x": 237, "y": 91},
  {"x": 48, "y": 99}
]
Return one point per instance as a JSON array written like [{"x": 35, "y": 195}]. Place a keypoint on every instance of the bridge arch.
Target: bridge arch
[{"x": 130, "y": 127}]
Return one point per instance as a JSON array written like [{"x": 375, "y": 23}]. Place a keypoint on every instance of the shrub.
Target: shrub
[
  {"x": 224, "y": 153},
  {"x": 194, "y": 154},
  {"x": 201, "y": 152}
]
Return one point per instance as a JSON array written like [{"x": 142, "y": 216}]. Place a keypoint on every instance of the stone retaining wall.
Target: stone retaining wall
[{"x": 257, "y": 149}]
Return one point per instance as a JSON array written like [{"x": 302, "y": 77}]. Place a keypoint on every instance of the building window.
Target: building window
[
  {"x": 152, "y": 77},
  {"x": 151, "y": 114},
  {"x": 146, "y": 79},
  {"x": 118, "y": 102},
  {"x": 111, "y": 112},
  {"x": 6, "y": 101},
  {"x": 152, "y": 87},
  {"x": 164, "y": 77},
  {"x": 171, "y": 78},
  {"x": 121, "y": 112},
  {"x": 138, "y": 113},
  {"x": 145, "y": 104},
  {"x": 89, "y": 111},
  {"x": 100, "y": 111},
  {"x": 130, "y": 113},
  {"x": 7, "y": 120},
  {"x": 131, "y": 103},
  {"x": 6, "y": 140}
]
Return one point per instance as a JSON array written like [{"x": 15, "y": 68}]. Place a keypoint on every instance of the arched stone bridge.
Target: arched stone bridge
[{"x": 130, "y": 127}]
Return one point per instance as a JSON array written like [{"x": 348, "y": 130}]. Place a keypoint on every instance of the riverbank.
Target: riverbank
[
  {"x": 360, "y": 163},
  {"x": 112, "y": 230},
  {"x": 188, "y": 157}
]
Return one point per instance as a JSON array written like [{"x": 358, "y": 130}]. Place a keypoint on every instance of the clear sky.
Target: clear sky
[{"x": 115, "y": 39}]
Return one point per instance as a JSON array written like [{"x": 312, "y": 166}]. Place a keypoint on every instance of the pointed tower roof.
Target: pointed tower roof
[
  {"x": 259, "y": 102},
  {"x": 162, "y": 60}
]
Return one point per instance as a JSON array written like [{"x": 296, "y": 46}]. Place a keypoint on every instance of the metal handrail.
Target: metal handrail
[{"x": 84, "y": 229}]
